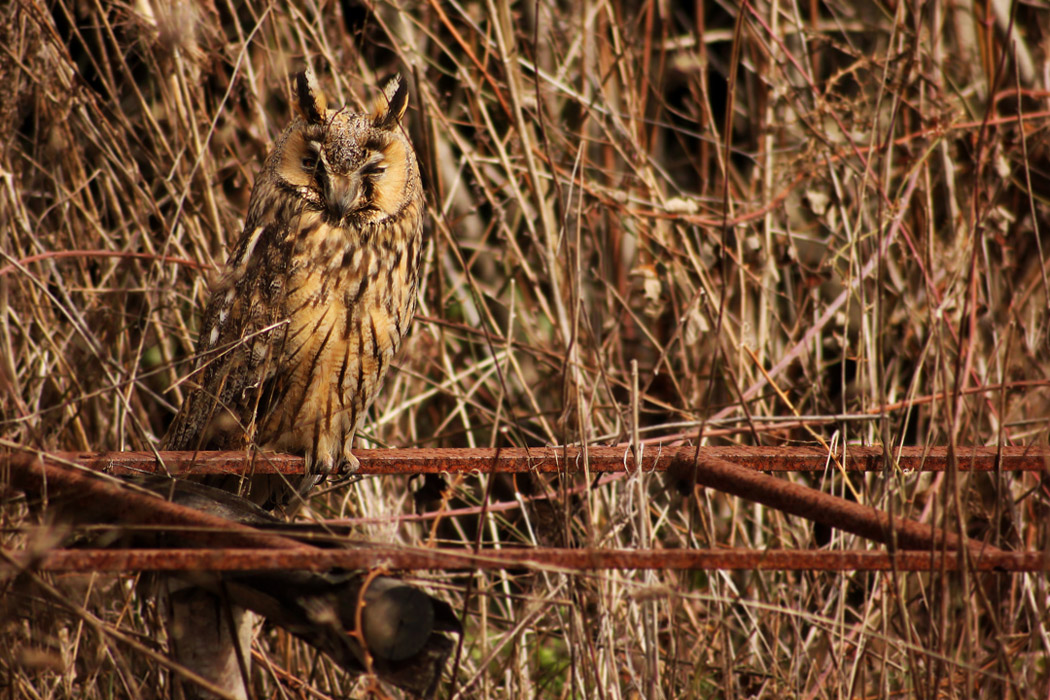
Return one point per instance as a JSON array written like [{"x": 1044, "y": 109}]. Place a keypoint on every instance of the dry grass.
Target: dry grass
[{"x": 644, "y": 225}]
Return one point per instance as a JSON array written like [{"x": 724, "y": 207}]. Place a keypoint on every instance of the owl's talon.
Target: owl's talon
[
  {"x": 350, "y": 464},
  {"x": 320, "y": 467}
]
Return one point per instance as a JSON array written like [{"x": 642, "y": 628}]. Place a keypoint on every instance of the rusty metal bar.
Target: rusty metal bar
[
  {"x": 566, "y": 459},
  {"x": 796, "y": 499},
  {"x": 88, "y": 498},
  {"x": 400, "y": 559}
]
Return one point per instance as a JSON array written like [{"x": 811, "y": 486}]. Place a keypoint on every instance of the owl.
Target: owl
[{"x": 318, "y": 292}]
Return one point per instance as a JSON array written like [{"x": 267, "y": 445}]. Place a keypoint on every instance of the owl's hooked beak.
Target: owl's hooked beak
[{"x": 342, "y": 194}]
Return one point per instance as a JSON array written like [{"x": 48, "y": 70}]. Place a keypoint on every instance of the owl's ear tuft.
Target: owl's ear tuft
[
  {"x": 310, "y": 100},
  {"x": 391, "y": 105}
]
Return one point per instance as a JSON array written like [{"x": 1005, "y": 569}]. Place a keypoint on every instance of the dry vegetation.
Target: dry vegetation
[{"x": 793, "y": 223}]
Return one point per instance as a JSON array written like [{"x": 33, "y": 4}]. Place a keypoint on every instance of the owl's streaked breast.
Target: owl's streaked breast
[{"x": 348, "y": 308}]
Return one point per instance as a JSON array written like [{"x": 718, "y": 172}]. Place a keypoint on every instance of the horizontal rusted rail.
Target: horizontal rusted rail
[
  {"x": 402, "y": 559},
  {"x": 567, "y": 459}
]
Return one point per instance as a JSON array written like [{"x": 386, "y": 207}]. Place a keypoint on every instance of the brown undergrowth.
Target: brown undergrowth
[{"x": 649, "y": 223}]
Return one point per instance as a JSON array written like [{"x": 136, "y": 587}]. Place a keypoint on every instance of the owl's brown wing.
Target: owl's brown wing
[{"x": 236, "y": 359}]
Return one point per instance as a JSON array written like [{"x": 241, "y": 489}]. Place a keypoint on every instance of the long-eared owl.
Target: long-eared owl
[{"x": 318, "y": 292}]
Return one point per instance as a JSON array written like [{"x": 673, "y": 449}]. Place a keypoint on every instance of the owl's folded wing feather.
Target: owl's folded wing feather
[{"x": 234, "y": 366}]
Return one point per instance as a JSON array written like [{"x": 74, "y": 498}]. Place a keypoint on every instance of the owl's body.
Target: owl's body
[{"x": 318, "y": 292}]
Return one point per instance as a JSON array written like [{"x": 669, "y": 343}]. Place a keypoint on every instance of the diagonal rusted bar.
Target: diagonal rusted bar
[
  {"x": 397, "y": 558},
  {"x": 88, "y": 497},
  {"x": 562, "y": 459},
  {"x": 866, "y": 521}
]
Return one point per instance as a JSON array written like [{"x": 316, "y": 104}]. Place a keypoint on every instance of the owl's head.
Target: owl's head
[{"x": 350, "y": 168}]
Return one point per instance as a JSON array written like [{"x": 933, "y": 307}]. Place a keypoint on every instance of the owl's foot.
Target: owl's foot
[
  {"x": 350, "y": 463},
  {"x": 320, "y": 466}
]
